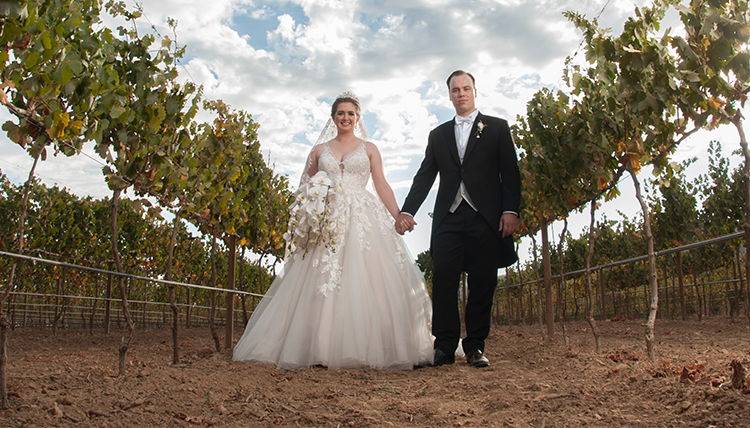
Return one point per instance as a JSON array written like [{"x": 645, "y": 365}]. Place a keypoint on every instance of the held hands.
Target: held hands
[
  {"x": 508, "y": 224},
  {"x": 404, "y": 222}
]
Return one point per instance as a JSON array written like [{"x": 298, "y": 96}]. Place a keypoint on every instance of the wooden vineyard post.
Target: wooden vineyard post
[
  {"x": 58, "y": 310},
  {"x": 12, "y": 308},
  {"x": 229, "y": 318},
  {"x": 728, "y": 301},
  {"x": 143, "y": 313},
  {"x": 740, "y": 281},
  {"x": 108, "y": 300},
  {"x": 681, "y": 285},
  {"x": 602, "y": 302},
  {"x": 546, "y": 265},
  {"x": 189, "y": 310},
  {"x": 93, "y": 305},
  {"x": 25, "y": 308},
  {"x": 666, "y": 292},
  {"x": 508, "y": 307}
]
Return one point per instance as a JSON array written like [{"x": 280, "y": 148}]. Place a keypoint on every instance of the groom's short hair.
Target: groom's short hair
[{"x": 459, "y": 73}]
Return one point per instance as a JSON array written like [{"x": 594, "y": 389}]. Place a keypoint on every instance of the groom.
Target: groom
[{"x": 475, "y": 216}]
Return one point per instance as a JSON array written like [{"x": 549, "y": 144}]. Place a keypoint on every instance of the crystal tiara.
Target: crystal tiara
[{"x": 348, "y": 94}]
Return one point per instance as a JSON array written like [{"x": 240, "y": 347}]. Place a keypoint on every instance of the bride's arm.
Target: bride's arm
[
  {"x": 311, "y": 167},
  {"x": 379, "y": 182}
]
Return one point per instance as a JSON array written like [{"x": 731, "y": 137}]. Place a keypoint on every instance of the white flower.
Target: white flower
[
  {"x": 321, "y": 179},
  {"x": 480, "y": 128},
  {"x": 313, "y": 214},
  {"x": 316, "y": 207}
]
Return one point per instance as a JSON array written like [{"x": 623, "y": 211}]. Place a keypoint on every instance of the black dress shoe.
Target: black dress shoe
[
  {"x": 441, "y": 358},
  {"x": 477, "y": 359}
]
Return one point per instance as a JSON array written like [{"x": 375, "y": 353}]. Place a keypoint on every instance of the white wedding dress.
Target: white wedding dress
[{"x": 360, "y": 303}]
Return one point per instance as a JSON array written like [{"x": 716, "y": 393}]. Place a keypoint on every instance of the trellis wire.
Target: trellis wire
[
  {"x": 635, "y": 296},
  {"x": 138, "y": 314}
]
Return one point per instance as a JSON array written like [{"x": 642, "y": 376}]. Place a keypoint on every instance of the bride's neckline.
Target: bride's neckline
[{"x": 345, "y": 156}]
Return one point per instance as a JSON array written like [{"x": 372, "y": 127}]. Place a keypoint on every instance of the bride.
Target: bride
[{"x": 349, "y": 295}]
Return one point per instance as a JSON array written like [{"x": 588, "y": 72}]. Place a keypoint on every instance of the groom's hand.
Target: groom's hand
[
  {"x": 404, "y": 222},
  {"x": 508, "y": 224}
]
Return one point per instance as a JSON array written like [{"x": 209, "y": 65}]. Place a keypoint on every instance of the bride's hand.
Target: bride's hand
[{"x": 404, "y": 222}]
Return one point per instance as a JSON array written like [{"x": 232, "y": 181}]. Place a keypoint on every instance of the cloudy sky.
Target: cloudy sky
[{"x": 285, "y": 61}]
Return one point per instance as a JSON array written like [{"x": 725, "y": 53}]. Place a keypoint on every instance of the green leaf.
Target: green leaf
[
  {"x": 14, "y": 9},
  {"x": 32, "y": 60},
  {"x": 740, "y": 65},
  {"x": 38, "y": 148},
  {"x": 66, "y": 74},
  {"x": 691, "y": 76},
  {"x": 685, "y": 49},
  {"x": 137, "y": 204},
  {"x": 46, "y": 42},
  {"x": 116, "y": 183},
  {"x": 116, "y": 111},
  {"x": 15, "y": 133},
  {"x": 76, "y": 66}
]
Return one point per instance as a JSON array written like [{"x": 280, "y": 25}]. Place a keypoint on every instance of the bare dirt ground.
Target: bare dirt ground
[{"x": 67, "y": 381}]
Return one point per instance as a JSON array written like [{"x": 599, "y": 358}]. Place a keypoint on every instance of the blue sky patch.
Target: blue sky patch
[{"x": 257, "y": 23}]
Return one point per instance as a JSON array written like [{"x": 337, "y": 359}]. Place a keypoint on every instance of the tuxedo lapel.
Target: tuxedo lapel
[
  {"x": 473, "y": 136},
  {"x": 449, "y": 134}
]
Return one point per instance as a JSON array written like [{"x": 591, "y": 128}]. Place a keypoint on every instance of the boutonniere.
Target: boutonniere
[{"x": 480, "y": 128}]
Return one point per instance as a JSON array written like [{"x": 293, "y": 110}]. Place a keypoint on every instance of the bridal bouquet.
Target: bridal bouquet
[{"x": 312, "y": 219}]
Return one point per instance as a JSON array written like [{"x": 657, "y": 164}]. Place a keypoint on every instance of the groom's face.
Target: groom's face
[{"x": 462, "y": 94}]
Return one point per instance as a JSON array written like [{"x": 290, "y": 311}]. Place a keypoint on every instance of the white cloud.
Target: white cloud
[
  {"x": 286, "y": 32},
  {"x": 285, "y": 61},
  {"x": 81, "y": 174}
]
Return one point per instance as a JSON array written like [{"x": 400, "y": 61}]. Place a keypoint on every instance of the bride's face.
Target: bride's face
[{"x": 346, "y": 116}]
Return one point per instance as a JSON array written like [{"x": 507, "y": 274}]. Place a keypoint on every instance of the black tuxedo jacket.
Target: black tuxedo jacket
[{"x": 489, "y": 172}]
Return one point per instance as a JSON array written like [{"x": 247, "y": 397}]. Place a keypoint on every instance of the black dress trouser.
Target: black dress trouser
[{"x": 463, "y": 242}]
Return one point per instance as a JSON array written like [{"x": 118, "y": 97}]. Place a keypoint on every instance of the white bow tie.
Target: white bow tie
[{"x": 464, "y": 120}]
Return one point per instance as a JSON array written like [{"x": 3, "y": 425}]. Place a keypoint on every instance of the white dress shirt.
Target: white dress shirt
[{"x": 462, "y": 128}]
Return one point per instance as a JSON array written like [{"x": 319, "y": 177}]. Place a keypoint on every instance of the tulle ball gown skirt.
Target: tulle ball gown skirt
[{"x": 362, "y": 306}]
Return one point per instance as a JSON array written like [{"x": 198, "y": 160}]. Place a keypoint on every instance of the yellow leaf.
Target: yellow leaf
[
  {"x": 713, "y": 102},
  {"x": 602, "y": 183},
  {"x": 60, "y": 123},
  {"x": 635, "y": 162}
]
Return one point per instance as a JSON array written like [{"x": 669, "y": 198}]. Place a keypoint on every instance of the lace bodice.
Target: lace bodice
[
  {"x": 362, "y": 220},
  {"x": 354, "y": 171}
]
